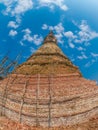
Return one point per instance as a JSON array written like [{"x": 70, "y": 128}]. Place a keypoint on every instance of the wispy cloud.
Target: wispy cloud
[
  {"x": 51, "y": 4},
  {"x": 94, "y": 54},
  {"x": 17, "y": 7},
  {"x": 82, "y": 56},
  {"x": 88, "y": 64},
  {"x": 94, "y": 59},
  {"x": 81, "y": 48},
  {"x": 85, "y": 33}
]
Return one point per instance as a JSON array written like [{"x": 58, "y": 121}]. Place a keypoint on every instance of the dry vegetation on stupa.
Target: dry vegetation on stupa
[{"x": 47, "y": 59}]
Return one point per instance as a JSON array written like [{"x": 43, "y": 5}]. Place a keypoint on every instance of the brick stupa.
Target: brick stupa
[{"x": 48, "y": 90}]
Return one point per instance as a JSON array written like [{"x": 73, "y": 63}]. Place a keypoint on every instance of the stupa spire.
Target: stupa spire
[{"x": 50, "y": 38}]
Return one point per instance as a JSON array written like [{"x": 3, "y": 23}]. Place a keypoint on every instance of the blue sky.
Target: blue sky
[{"x": 24, "y": 24}]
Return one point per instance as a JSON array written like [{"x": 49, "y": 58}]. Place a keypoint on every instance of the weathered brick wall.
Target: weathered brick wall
[{"x": 48, "y": 100}]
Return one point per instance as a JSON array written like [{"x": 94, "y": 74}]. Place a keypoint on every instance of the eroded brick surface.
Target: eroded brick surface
[{"x": 26, "y": 99}]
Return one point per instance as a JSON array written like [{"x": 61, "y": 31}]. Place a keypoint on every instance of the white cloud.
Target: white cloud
[
  {"x": 13, "y": 24},
  {"x": 45, "y": 26},
  {"x": 27, "y": 36},
  {"x": 71, "y": 45},
  {"x": 21, "y": 43},
  {"x": 94, "y": 54},
  {"x": 37, "y": 39},
  {"x": 51, "y": 4},
  {"x": 32, "y": 50},
  {"x": 70, "y": 34},
  {"x": 27, "y": 31},
  {"x": 12, "y": 33},
  {"x": 23, "y": 6},
  {"x": 59, "y": 28},
  {"x": 80, "y": 48},
  {"x": 59, "y": 36}
]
